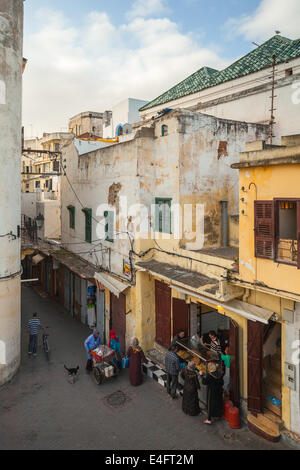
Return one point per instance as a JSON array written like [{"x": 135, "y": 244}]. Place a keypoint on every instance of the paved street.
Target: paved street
[{"x": 40, "y": 409}]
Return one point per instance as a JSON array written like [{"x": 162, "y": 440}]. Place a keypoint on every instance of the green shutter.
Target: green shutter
[
  {"x": 71, "y": 210},
  {"x": 163, "y": 215},
  {"x": 88, "y": 225},
  {"x": 109, "y": 225}
]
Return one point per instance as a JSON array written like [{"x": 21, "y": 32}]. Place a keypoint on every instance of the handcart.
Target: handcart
[{"x": 103, "y": 364}]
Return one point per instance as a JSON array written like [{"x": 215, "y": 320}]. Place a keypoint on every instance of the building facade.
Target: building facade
[
  {"x": 243, "y": 90},
  {"x": 11, "y": 42},
  {"x": 269, "y": 266}
]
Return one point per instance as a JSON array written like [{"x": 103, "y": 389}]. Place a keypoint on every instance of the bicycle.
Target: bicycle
[{"x": 46, "y": 346}]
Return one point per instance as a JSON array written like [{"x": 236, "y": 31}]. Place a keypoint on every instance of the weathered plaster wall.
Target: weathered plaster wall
[
  {"x": 11, "y": 40},
  {"x": 247, "y": 99}
]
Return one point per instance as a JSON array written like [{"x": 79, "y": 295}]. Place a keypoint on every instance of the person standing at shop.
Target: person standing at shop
[
  {"x": 226, "y": 360},
  {"x": 114, "y": 343},
  {"x": 214, "y": 383},
  {"x": 214, "y": 344},
  {"x": 180, "y": 335},
  {"x": 172, "y": 363},
  {"x": 136, "y": 358},
  {"x": 190, "y": 400}
]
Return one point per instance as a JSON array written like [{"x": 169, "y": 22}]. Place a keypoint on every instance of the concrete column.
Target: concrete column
[{"x": 11, "y": 42}]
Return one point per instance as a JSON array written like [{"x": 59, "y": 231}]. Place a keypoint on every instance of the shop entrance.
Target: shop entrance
[
  {"x": 227, "y": 331},
  {"x": 264, "y": 367},
  {"x": 272, "y": 374}
]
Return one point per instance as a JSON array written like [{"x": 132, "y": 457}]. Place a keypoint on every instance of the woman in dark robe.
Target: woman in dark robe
[
  {"x": 214, "y": 382},
  {"x": 136, "y": 358},
  {"x": 190, "y": 401}
]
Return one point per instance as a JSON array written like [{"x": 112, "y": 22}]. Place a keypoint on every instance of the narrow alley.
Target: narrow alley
[{"x": 40, "y": 409}]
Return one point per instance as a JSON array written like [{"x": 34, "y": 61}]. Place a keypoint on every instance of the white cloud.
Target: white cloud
[
  {"x": 71, "y": 70},
  {"x": 145, "y": 8},
  {"x": 271, "y": 15}
]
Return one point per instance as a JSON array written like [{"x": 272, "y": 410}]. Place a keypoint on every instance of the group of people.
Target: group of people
[
  {"x": 135, "y": 355},
  {"x": 215, "y": 378}
]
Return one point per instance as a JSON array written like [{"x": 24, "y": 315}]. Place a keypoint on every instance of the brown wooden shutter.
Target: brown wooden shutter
[
  {"x": 234, "y": 362},
  {"x": 181, "y": 316},
  {"x": 264, "y": 229},
  {"x": 163, "y": 313},
  {"x": 255, "y": 366}
]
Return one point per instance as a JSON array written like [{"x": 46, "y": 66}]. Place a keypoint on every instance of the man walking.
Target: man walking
[
  {"x": 172, "y": 363},
  {"x": 34, "y": 325}
]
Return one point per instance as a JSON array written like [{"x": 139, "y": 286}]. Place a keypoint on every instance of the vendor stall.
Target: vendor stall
[{"x": 192, "y": 350}]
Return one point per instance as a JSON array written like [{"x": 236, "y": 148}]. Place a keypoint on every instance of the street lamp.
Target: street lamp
[{"x": 39, "y": 221}]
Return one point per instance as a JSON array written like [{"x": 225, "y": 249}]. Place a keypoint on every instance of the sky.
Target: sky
[{"x": 89, "y": 55}]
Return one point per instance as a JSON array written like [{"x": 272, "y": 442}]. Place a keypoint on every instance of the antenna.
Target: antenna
[{"x": 273, "y": 96}]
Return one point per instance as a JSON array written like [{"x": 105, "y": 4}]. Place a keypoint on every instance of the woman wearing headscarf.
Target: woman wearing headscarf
[
  {"x": 114, "y": 343},
  {"x": 136, "y": 358},
  {"x": 214, "y": 382},
  {"x": 190, "y": 400}
]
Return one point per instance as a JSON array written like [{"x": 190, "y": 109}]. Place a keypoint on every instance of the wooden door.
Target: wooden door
[
  {"x": 118, "y": 318},
  {"x": 181, "y": 316},
  {"x": 163, "y": 314},
  {"x": 234, "y": 362},
  {"x": 255, "y": 366}
]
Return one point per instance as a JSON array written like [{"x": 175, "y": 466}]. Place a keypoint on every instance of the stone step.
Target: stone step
[
  {"x": 273, "y": 376},
  {"x": 264, "y": 427},
  {"x": 272, "y": 388}
]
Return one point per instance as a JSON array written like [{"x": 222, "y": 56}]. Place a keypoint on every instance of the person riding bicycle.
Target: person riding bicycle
[{"x": 91, "y": 343}]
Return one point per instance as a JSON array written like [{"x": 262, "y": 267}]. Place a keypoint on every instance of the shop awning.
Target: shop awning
[
  {"x": 177, "y": 275},
  {"x": 37, "y": 259},
  {"x": 111, "y": 283},
  {"x": 249, "y": 311},
  {"x": 75, "y": 264}
]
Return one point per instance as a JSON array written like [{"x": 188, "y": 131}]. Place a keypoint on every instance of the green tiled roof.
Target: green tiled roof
[{"x": 261, "y": 57}]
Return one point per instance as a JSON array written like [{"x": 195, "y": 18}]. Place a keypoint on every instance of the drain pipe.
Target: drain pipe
[{"x": 224, "y": 222}]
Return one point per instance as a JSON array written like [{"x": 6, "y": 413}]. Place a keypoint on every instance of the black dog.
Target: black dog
[{"x": 72, "y": 371}]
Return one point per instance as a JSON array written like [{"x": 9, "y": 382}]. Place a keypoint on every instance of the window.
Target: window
[
  {"x": 164, "y": 130},
  {"x": 109, "y": 225},
  {"x": 163, "y": 215},
  {"x": 50, "y": 185},
  {"x": 88, "y": 225},
  {"x": 56, "y": 147},
  {"x": 288, "y": 72},
  {"x": 277, "y": 230},
  {"x": 55, "y": 165},
  {"x": 37, "y": 184},
  {"x": 71, "y": 210},
  {"x": 46, "y": 183}
]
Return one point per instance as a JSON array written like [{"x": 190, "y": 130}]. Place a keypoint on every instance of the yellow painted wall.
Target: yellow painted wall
[{"x": 280, "y": 181}]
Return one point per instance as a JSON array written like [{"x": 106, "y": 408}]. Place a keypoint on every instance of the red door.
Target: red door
[
  {"x": 234, "y": 362},
  {"x": 163, "y": 313},
  {"x": 181, "y": 316},
  {"x": 118, "y": 318},
  {"x": 255, "y": 366}
]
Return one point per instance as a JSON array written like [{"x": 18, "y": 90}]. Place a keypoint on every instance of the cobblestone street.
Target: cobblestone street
[{"x": 40, "y": 409}]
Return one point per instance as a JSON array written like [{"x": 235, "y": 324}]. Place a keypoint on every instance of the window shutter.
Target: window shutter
[
  {"x": 264, "y": 229},
  {"x": 109, "y": 225},
  {"x": 167, "y": 217}
]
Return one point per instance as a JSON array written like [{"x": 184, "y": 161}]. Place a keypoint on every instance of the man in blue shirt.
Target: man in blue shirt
[
  {"x": 34, "y": 325},
  {"x": 91, "y": 343},
  {"x": 172, "y": 363}
]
